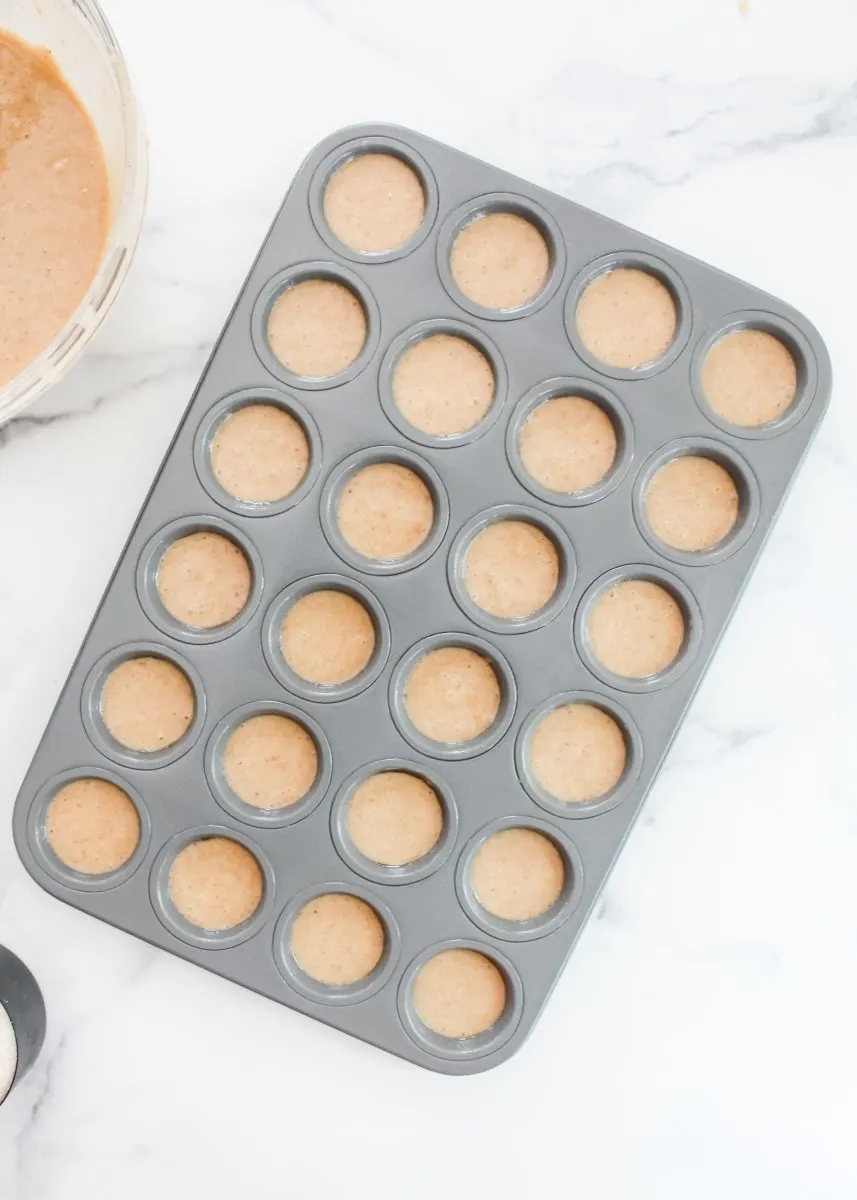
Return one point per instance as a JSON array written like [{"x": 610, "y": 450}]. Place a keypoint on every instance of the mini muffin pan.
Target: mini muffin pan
[{"x": 419, "y": 603}]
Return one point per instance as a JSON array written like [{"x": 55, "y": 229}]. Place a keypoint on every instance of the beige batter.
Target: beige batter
[
  {"x": 385, "y": 511},
  {"x": 394, "y": 818},
  {"x": 259, "y": 454},
  {"x": 327, "y": 637},
  {"x": 54, "y": 204},
  {"x": 459, "y": 993},
  {"x": 691, "y": 503},
  {"x": 517, "y": 874},
  {"x": 270, "y": 761},
  {"x": 443, "y": 385},
  {"x": 216, "y": 883},
  {"x": 92, "y": 826},
  {"x": 568, "y": 444},
  {"x": 317, "y": 328},
  {"x": 374, "y": 203},
  {"x": 147, "y": 704},
  {"x": 626, "y": 318},
  {"x": 511, "y": 569},
  {"x": 500, "y": 260},
  {"x": 635, "y": 629},
  {"x": 203, "y": 580},
  {"x": 337, "y": 939},
  {"x": 577, "y": 753},
  {"x": 452, "y": 695},
  {"x": 749, "y": 378}
]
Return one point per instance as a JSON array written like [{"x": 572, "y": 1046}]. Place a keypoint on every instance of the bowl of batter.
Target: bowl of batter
[{"x": 72, "y": 187}]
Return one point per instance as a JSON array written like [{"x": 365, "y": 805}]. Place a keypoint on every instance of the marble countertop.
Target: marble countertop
[{"x": 702, "y": 1043}]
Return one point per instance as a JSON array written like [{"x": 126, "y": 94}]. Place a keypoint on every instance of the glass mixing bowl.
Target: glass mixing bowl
[{"x": 86, "y": 52}]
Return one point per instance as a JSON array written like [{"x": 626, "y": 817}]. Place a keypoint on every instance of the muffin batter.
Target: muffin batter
[
  {"x": 691, "y": 503},
  {"x": 452, "y": 695},
  {"x": 259, "y": 454},
  {"x": 517, "y": 874},
  {"x": 394, "y": 818},
  {"x": 92, "y": 826},
  {"x": 270, "y": 761},
  {"x": 54, "y": 200},
  {"x": 749, "y": 378},
  {"x": 568, "y": 444},
  {"x": 443, "y": 385},
  {"x": 511, "y": 569},
  {"x": 500, "y": 260},
  {"x": 374, "y": 203},
  {"x": 337, "y": 939},
  {"x": 385, "y": 511},
  {"x": 577, "y": 753},
  {"x": 147, "y": 704},
  {"x": 626, "y": 318},
  {"x": 317, "y": 328},
  {"x": 216, "y": 884},
  {"x": 327, "y": 637},
  {"x": 203, "y": 580},
  {"x": 635, "y": 628},
  {"x": 459, "y": 993}
]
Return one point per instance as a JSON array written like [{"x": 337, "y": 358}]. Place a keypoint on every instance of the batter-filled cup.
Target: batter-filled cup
[
  {"x": 577, "y": 753},
  {"x": 337, "y": 939},
  {"x": 691, "y": 503},
  {"x": 270, "y": 761},
  {"x": 374, "y": 203},
  {"x": 317, "y": 328},
  {"x": 749, "y": 378},
  {"x": 459, "y": 994},
  {"x": 626, "y": 318},
  {"x": 92, "y": 826},
  {"x": 635, "y": 628},
  {"x": 511, "y": 569},
  {"x": 147, "y": 704},
  {"x": 385, "y": 512},
  {"x": 259, "y": 454},
  {"x": 203, "y": 580},
  {"x": 517, "y": 874},
  {"x": 568, "y": 444},
  {"x": 394, "y": 818},
  {"x": 216, "y": 884},
  {"x": 327, "y": 637},
  {"x": 452, "y": 695},
  {"x": 443, "y": 385},
  {"x": 500, "y": 260}
]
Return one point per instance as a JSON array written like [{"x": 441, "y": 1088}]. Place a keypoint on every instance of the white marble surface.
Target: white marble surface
[{"x": 703, "y": 1042}]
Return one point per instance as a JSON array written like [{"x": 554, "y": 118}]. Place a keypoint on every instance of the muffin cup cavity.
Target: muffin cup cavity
[
  {"x": 339, "y": 479},
  {"x": 456, "y": 566},
  {"x": 519, "y": 206},
  {"x": 798, "y": 347},
  {"x": 296, "y": 977},
  {"x": 408, "y": 872},
  {"x": 266, "y": 818},
  {"x": 147, "y": 578},
  {"x": 178, "y": 925},
  {"x": 746, "y": 485},
  {"x": 100, "y": 736},
  {"x": 290, "y": 277},
  {"x": 691, "y": 616},
  {"x": 623, "y": 787},
  {"x": 453, "y": 750},
  {"x": 43, "y": 851},
  {"x": 272, "y": 625},
  {"x": 481, "y": 1044},
  {"x": 664, "y": 274},
  {"x": 221, "y": 412},
  {"x": 354, "y": 148}
]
